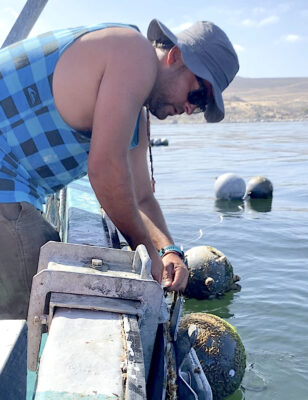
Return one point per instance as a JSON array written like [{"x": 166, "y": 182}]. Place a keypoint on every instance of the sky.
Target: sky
[{"x": 270, "y": 37}]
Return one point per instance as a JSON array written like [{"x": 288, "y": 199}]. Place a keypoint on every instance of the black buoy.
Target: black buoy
[
  {"x": 210, "y": 273},
  {"x": 220, "y": 351},
  {"x": 259, "y": 187}
]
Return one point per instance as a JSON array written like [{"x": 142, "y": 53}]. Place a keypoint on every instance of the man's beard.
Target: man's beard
[
  {"x": 160, "y": 106},
  {"x": 162, "y": 101},
  {"x": 159, "y": 111}
]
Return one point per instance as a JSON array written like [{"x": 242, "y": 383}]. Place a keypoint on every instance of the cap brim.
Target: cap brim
[
  {"x": 158, "y": 31},
  {"x": 215, "y": 111}
]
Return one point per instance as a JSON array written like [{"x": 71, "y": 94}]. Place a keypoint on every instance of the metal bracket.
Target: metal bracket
[
  {"x": 176, "y": 313},
  {"x": 66, "y": 268},
  {"x": 93, "y": 303},
  {"x": 135, "y": 385}
]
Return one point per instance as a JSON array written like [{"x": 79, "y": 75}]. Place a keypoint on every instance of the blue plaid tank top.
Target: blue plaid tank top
[{"x": 39, "y": 152}]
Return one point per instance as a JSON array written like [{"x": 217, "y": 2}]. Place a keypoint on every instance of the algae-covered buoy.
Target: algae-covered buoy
[
  {"x": 259, "y": 187},
  {"x": 210, "y": 273},
  {"x": 220, "y": 351},
  {"x": 229, "y": 187}
]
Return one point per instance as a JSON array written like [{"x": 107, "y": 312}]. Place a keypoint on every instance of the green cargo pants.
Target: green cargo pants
[{"x": 23, "y": 230}]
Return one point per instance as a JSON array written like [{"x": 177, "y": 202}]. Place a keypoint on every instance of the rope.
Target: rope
[{"x": 150, "y": 148}]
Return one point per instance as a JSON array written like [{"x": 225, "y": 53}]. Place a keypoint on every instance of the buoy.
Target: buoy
[
  {"x": 159, "y": 142},
  {"x": 220, "y": 351},
  {"x": 210, "y": 273},
  {"x": 229, "y": 186},
  {"x": 259, "y": 187}
]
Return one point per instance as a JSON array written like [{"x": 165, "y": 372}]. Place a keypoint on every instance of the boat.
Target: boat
[
  {"x": 98, "y": 325},
  {"x": 109, "y": 331}
]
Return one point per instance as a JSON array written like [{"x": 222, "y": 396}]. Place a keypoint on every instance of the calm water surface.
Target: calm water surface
[{"x": 267, "y": 245}]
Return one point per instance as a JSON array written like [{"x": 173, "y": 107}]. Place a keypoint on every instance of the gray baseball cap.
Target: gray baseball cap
[{"x": 208, "y": 53}]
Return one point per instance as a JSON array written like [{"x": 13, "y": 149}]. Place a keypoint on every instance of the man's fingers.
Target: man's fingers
[
  {"x": 157, "y": 277},
  {"x": 175, "y": 275},
  {"x": 157, "y": 270},
  {"x": 168, "y": 275},
  {"x": 180, "y": 279}
]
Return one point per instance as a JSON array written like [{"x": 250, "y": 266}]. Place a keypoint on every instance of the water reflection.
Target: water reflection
[
  {"x": 229, "y": 206},
  {"x": 253, "y": 380},
  {"x": 237, "y": 395},
  {"x": 259, "y": 205},
  {"x": 218, "y": 306},
  {"x": 238, "y": 206}
]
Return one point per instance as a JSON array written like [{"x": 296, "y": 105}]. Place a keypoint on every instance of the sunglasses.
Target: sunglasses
[{"x": 198, "y": 97}]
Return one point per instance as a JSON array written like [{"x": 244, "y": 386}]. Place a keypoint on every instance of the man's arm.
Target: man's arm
[
  {"x": 127, "y": 80},
  {"x": 175, "y": 272}
]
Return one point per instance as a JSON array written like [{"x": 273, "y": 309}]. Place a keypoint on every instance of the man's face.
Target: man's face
[{"x": 170, "y": 94}]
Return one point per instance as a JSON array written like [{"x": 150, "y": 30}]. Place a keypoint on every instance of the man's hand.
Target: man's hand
[
  {"x": 156, "y": 267},
  {"x": 175, "y": 273}
]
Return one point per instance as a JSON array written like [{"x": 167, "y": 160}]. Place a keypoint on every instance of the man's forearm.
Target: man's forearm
[
  {"x": 114, "y": 193},
  {"x": 175, "y": 271},
  {"x": 155, "y": 223}
]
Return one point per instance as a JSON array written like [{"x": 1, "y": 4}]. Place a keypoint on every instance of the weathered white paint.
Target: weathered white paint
[{"x": 84, "y": 352}]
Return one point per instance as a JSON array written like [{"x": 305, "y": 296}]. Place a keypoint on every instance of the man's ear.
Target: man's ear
[{"x": 174, "y": 56}]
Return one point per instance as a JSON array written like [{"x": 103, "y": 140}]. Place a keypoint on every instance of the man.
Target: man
[{"x": 72, "y": 102}]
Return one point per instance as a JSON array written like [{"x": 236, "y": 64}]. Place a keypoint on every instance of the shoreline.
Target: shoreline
[
  {"x": 224, "y": 121},
  {"x": 249, "y": 100}
]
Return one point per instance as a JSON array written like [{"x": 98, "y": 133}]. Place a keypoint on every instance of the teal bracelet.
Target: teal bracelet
[{"x": 172, "y": 248}]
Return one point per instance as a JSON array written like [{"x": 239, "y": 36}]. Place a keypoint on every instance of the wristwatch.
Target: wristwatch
[{"x": 172, "y": 248}]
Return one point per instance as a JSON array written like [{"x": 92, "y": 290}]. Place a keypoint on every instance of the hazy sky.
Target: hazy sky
[{"x": 270, "y": 37}]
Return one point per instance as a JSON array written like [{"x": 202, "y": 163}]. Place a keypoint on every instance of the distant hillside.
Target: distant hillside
[{"x": 261, "y": 99}]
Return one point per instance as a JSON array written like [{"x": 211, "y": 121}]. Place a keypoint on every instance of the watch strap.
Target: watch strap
[{"x": 172, "y": 248}]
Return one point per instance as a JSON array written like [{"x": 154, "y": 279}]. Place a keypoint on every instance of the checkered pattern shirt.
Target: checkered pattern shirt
[{"x": 39, "y": 152}]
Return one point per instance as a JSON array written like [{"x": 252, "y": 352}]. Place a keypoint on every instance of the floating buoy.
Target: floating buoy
[
  {"x": 229, "y": 186},
  {"x": 259, "y": 187},
  {"x": 210, "y": 273},
  {"x": 159, "y": 142},
  {"x": 220, "y": 351}
]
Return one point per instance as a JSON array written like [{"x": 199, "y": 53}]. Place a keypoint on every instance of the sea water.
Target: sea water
[{"x": 267, "y": 244}]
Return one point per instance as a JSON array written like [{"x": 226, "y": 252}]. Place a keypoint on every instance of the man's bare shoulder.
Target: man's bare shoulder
[
  {"x": 124, "y": 37},
  {"x": 118, "y": 42},
  {"x": 129, "y": 47},
  {"x": 121, "y": 55},
  {"x": 122, "y": 52}
]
